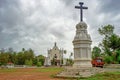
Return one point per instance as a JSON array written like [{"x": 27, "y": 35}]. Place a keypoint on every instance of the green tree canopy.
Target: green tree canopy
[
  {"x": 20, "y": 58},
  {"x": 114, "y": 42},
  {"x": 106, "y": 30},
  {"x": 96, "y": 52},
  {"x": 110, "y": 44}
]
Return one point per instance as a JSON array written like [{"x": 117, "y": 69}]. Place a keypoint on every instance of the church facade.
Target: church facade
[{"x": 55, "y": 56}]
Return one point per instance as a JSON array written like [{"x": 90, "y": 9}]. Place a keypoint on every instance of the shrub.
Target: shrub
[
  {"x": 39, "y": 64},
  {"x": 28, "y": 62},
  {"x": 118, "y": 58},
  {"x": 108, "y": 59}
]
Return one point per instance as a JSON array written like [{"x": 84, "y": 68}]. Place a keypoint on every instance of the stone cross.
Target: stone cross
[{"x": 81, "y": 7}]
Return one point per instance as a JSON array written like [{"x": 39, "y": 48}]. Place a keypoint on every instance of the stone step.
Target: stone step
[{"x": 81, "y": 72}]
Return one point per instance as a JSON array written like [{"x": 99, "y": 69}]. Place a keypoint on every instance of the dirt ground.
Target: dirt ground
[
  {"x": 27, "y": 74},
  {"x": 34, "y": 73}
]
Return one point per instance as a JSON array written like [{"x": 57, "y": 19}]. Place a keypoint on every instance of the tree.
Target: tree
[
  {"x": 20, "y": 58},
  {"x": 4, "y": 58},
  {"x": 23, "y": 57},
  {"x": 106, "y": 30},
  {"x": 53, "y": 61},
  {"x": 71, "y": 54},
  {"x": 117, "y": 56},
  {"x": 29, "y": 54},
  {"x": 69, "y": 62},
  {"x": 65, "y": 51},
  {"x": 10, "y": 50},
  {"x": 108, "y": 59},
  {"x": 28, "y": 62},
  {"x": 14, "y": 57},
  {"x": 41, "y": 59},
  {"x": 35, "y": 60},
  {"x": 23, "y": 49},
  {"x": 110, "y": 44},
  {"x": 96, "y": 52},
  {"x": 114, "y": 42},
  {"x": 39, "y": 64},
  {"x": 2, "y": 50}
]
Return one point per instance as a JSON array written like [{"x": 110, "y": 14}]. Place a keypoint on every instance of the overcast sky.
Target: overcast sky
[{"x": 37, "y": 24}]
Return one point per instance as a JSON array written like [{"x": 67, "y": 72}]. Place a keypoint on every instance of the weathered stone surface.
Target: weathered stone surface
[
  {"x": 82, "y": 66},
  {"x": 80, "y": 72},
  {"x": 82, "y": 46}
]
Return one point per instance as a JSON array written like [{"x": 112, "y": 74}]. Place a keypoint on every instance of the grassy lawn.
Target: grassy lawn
[
  {"x": 104, "y": 76},
  {"x": 7, "y": 70},
  {"x": 48, "y": 69}
]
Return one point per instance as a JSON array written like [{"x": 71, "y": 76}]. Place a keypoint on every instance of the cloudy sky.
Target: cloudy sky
[{"x": 37, "y": 24}]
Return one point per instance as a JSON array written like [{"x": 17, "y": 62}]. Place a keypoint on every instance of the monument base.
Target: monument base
[
  {"x": 82, "y": 63},
  {"x": 72, "y": 72}
]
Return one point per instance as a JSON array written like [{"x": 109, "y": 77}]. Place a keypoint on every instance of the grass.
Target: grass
[
  {"x": 32, "y": 70},
  {"x": 104, "y": 76},
  {"x": 7, "y": 70},
  {"x": 50, "y": 69}
]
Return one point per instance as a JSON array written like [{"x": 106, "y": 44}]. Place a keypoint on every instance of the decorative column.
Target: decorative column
[{"x": 82, "y": 46}]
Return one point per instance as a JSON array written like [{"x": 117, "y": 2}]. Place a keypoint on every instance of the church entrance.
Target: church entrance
[{"x": 57, "y": 62}]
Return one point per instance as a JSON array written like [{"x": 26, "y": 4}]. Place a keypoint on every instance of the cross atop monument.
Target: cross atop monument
[{"x": 81, "y": 7}]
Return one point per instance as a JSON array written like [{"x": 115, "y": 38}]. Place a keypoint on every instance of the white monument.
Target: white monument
[
  {"x": 82, "y": 42},
  {"x": 82, "y": 46},
  {"x": 82, "y": 66}
]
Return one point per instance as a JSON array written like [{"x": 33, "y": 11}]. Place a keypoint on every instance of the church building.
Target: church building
[{"x": 55, "y": 56}]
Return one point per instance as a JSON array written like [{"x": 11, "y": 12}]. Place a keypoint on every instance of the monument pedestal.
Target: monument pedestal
[
  {"x": 82, "y": 47},
  {"x": 71, "y": 72},
  {"x": 82, "y": 66},
  {"x": 82, "y": 63}
]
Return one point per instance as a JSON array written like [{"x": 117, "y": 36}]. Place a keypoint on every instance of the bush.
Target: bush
[
  {"x": 39, "y": 64},
  {"x": 0, "y": 63},
  {"x": 118, "y": 59},
  {"x": 28, "y": 62},
  {"x": 53, "y": 62},
  {"x": 108, "y": 59}
]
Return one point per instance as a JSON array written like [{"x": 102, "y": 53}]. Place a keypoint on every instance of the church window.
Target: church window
[{"x": 55, "y": 56}]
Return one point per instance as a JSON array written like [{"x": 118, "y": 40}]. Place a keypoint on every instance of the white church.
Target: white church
[{"x": 54, "y": 56}]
